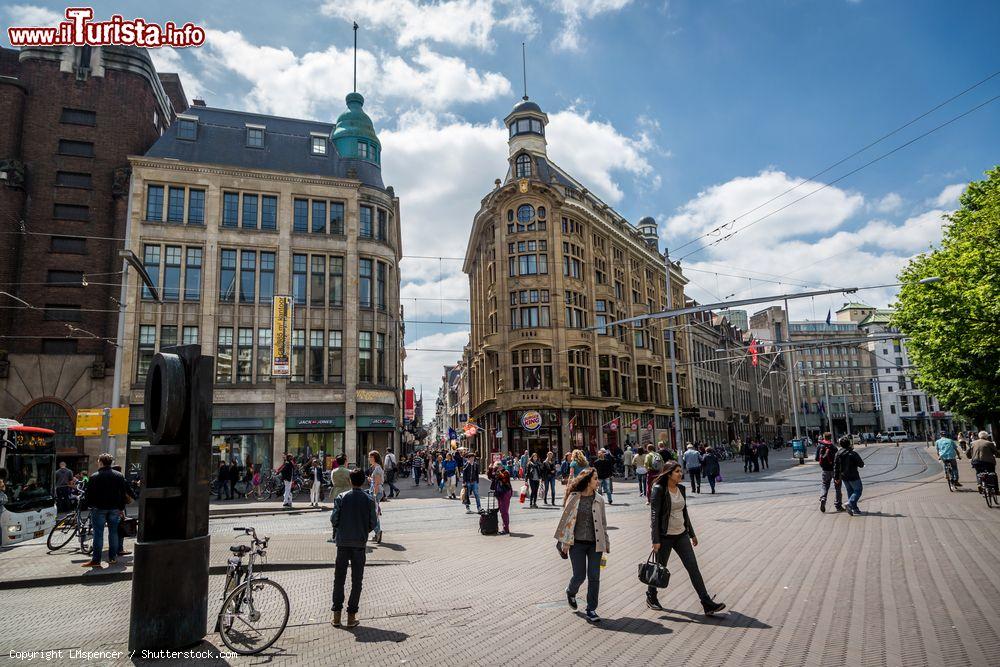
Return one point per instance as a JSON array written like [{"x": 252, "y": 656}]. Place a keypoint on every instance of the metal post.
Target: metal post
[
  {"x": 116, "y": 387},
  {"x": 847, "y": 405},
  {"x": 791, "y": 370},
  {"x": 673, "y": 355},
  {"x": 826, "y": 399}
]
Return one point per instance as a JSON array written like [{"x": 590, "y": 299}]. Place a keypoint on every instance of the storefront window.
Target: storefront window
[
  {"x": 246, "y": 448},
  {"x": 323, "y": 445}
]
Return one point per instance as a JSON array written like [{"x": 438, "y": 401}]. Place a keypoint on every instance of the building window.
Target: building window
[
  {"x": 224, "y": 356},
  {"x": 319, "y": 145},
  {"x": 249, "y": 211},
  {"x": 248, "y": 275},
  {"x": 298, "y": 355},
  {"x": 196, "y": 207},
  {"x": 336, "y": 281},
  {"x": 168, "y": 336},
  {"x": 363, "y": 150},
  {"x": 579, "y": 368},
  {"x": 525, "y": 213},
  {"x": 78, "y": 117},
  {"x": 151, "y": 262},
  {"x": 68, "y": 244},
  {"x": 147, "y": 348},
  {"x": 529, "y": 309},
  {"x": 382, "y": 231},
  {"x": 58, "y": 346},
  {"x": 366, "y": 222},
  {"x": 573, "y": 265},
  {"x": 532, "y": 368},
  {"x": 187, "y": 129},
  {"x": 625, "y": 367},
  {"x": 71, "y": 179},
  {"x": 299, "y": 267},
  {"x": 175, "y": 205},
  {"x": 608, "y": 375},
  {"x": 649, "y": 378},
  {"x": 71, "y": 212},
  {"x": 227, "y": 276},
  {"x": 380, "y": 273},
  {"x": 364, "y": 356},
  {"x": 76, "y": 148},
  {"x": 268, "y": 212},
  {"x": 263, "y": 355},
  {"x": 576, "y": 310},
  {"x": 63, "y": 313},
  {"x": 316, "y": 354},
  {"x": 300, "y": 218},
  {"x": 192, "y": 275},
  {"x": 230, "y": 209},
  {"x": 527, "y": 264},
  {"x": 172, "y": 273},
  {"x": 365, "y": 283},
  {"x": 336, "y": 218},
  {"x": 380, "y": 358},
  {"x": 255, "y": 137},
  {"x": 244, "y": 356},
  {"x": 317, "y": 288},
  {"x": 266, "y": 291},
  {"x": 190, "y": 335},
  {"x": 335, "y": 357},
  {"x": 154, "y": 203},
  {"x": 318, "y": 217},
  {"x": 522, "y": 166}
]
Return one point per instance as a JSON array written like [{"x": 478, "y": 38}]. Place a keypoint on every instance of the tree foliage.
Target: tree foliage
[{"x": 954, "y": 324}]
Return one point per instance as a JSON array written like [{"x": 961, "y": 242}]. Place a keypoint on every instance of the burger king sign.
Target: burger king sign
[{"x": 531, "y": 420}]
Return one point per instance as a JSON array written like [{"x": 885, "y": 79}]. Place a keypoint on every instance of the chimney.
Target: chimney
[{"x": 198, "y": 102}]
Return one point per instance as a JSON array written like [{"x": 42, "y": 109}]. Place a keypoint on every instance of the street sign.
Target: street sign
[
  {"x": 118, "y": 421},
  {"x": 281, "y": 334},
  {"x": 89, "y": 422}
]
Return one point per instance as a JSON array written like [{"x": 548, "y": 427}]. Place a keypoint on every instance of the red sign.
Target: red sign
[{"x": 409, "y": 405}]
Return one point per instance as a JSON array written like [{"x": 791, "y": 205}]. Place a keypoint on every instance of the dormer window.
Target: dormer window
[
  {"x": 187, "y": 128},
  {"x": 318, "y": 144},
  {"x": 255, "y": 136},
  {"x": 522, "y": 166},
  {"x": 363, "y": 150}
]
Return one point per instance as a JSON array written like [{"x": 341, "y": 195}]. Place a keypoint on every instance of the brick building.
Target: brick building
[{"x": 70, "y": 117}]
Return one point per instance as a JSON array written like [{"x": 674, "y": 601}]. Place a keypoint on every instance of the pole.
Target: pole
[
  {"x": 847, "y": 405},
  {"x": 826, "y": 400},
  {"x": 791, "y": 370},
  {"x": 355, "y": 56},
  {"x": 524, "y": 72},
  {"x": 673, "y": 356},
  {"x": 116, "y": 385}
]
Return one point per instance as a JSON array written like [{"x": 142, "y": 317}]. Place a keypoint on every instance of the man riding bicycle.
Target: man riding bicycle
[{"x": 948, "y": 455}]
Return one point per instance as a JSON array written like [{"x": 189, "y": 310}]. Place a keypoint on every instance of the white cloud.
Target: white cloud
[
  {"x": 32, "y": 16},
  {"x": 720, "y": 204},
  {"x": 168, "y": 59},
  {"x": 949, "y": 196},
  {"x": 424, "y": 366},
  {"x": 889, "y": 203},
  {"x": 574, "y": 12},
  {"x": 314, "y": 84}
]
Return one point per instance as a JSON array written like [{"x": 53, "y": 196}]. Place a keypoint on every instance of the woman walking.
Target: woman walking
[
  {"x": 639, "y": 463},
  {"x": 583, "y": 536},
  {"x": 502, "y": 491},
  {"x": 316, "y": 474},
  {"x": 549, "y": 478},
  {"x": 578, "y": 463},
  {"x": 439, "y": 473},
  {"x": 450, "y": 467},
  {"x": 671, "y": 530},
  {"x": 377, "y": 476},
  {"x": 710, "y": 467},
  {"x": 533, "y": 473}
]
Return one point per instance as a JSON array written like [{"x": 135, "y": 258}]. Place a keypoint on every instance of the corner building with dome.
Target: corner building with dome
[{"x": 546, "y": 260}]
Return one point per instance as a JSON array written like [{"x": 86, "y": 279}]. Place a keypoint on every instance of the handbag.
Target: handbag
[
  {"x": 465, "y": 495},
  {"x": 128, "y": 527},
  {"x": 652, "y": 573}
]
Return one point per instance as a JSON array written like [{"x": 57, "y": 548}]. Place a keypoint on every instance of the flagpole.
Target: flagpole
[
  {"x": 791, "y": 370},
  {"x": 673, "y": 356}
]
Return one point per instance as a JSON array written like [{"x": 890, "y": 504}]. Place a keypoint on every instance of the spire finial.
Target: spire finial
[
  {"x": 355, "y": 56},
  {"x": 524, "y": 72}
]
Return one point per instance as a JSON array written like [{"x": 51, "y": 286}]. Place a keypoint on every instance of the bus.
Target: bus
[{"x": 27, "y": 481}]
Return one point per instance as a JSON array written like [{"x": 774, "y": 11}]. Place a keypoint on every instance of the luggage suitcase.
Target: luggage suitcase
[{"x": 489, "y": 519}]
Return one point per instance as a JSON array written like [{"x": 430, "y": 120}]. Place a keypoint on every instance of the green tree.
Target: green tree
[{"x": 954, "y": 324}]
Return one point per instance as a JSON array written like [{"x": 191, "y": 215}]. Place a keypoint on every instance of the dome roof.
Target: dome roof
[
  {"x": 526, "y": 105},
  {"x": 355, "y": 123},
  {"x": 647, "y": 221}
]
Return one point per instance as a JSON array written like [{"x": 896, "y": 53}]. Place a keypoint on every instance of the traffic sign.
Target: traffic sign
[{"x": 89, "y": 422}]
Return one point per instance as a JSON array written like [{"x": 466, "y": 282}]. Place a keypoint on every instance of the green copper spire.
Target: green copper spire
[{"x": 355, "y": 135}]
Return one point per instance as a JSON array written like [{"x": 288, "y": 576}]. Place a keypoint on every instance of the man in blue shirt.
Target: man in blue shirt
[{"x": 948, "y": 454}]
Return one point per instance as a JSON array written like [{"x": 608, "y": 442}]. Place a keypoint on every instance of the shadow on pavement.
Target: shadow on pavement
[
  {"x": 392, "y": 547},
  {"x": 893, "y": 516},
  {"x": 374, "y": 635},
  {"x": 521, "y": 535},
  {"x": 733, "y": 618},
  {"x": 635, "y": 626}
]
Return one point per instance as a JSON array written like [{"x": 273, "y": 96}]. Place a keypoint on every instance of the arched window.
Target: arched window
[
  {"x": 525, "y": 213},
  {"x": 49, "y": 414},
  {"x": 522, "y": 166}
]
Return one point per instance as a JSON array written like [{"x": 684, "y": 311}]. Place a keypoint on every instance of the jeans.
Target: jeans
[
  {"x": 586, "y": 561},
  {"x": 288, "y": 492},
  {"x": 100, "y": 518},
  {"x": 472, "y": 488},
  {"x": 711, "y": 481},
  {"x": 853, "y": 488},
  {"x": 763, "y": 459},
  {"x": 314, "y": 492},
  {"x": 390, "y": 478},
  {"x": 503, "y": 502},
  {"x": 951, "y": 467},
  {"x": 550, "y": 483},
  {"x": 605, "y": 487},
  {"x": 695, "y": 474},
  {"x": 827, "y": 478},
  {"x": 682, "y": 545},
  {"x": 416, "y": 476},
  {"x": 355, "y": 557},
  {"x": 642, "y": 483}
]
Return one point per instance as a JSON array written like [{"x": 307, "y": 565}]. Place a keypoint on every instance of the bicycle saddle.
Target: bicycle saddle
[{"x": 240, "y": 549}]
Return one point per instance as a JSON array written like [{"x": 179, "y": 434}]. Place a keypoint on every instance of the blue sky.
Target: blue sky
[{"x": 690, "y": 111}]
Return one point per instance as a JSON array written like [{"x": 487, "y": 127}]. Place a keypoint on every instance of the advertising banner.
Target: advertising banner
[{"x": 281, "y": 336}]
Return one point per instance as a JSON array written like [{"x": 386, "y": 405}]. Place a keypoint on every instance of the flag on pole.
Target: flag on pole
[
  {"x": 635, "y": 424},
  {"x": 613, "y": 424},
  {"x": 754, "y": 350},
  {"x": 829, "y": 313},
  {"x": 572, "y": 423},
  {"x": 649, "y": 426}
]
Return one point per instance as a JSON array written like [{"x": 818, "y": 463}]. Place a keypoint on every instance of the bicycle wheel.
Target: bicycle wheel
[
  {"x": 988, "y": 494},
  {"x": 62, "y": 532},
  {"x": 86, "y": 535},
  {"x": 253, "y": 616}
]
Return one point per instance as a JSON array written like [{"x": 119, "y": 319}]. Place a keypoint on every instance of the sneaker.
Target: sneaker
[
  {"x": 571, "y": 600},
  {"x": 592, "y": 617},
  {"x": 714, "y": 608},
  {"x": 957, "y": 483},
  {"x": 839, "y": 508},
  {"x": 468, "y": 510},
  {"x": 653, "y": 603},
  {"x": 850, "y": 510},
  {"x": 822, "y": 505},
  {"x": 378, "y": 537}
]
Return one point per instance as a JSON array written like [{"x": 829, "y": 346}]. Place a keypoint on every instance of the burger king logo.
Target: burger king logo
[{"x": 531, "y": 420}]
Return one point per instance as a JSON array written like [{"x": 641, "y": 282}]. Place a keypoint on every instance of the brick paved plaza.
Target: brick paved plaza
[{"x": 912, "y": 582}]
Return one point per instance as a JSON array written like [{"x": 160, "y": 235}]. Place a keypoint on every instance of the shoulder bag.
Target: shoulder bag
[{"x": 652, "y": 573}]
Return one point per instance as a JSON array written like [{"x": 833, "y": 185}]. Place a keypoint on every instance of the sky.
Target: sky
[{"x": 701, "y": 113}]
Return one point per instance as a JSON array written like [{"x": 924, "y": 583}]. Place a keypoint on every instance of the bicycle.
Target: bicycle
[
  {"x": 988, "y": 487},
  {"x": 77, "y": 524},
  {"x": 950, "y": 472},
  {"x": 254, "y": 609}
]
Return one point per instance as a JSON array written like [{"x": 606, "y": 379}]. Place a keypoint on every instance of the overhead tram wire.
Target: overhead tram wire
[
  {"x": 719, "y": 228},
  {"x": 840, "y": 178}
]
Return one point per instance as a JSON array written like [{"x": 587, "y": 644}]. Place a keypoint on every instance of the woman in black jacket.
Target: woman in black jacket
[
  {"x": 549, "y": 478},
  {"x": 671, "y": 529},
  {"x": 710, "y": 467},
  {"x": 533, "y": 473}
]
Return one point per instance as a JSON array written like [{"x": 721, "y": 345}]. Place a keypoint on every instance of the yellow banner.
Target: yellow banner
[
  {"x": 281, "y": 335},
  {"x": 89, "y": 422},
  {"x": 118, "y": 422}
]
